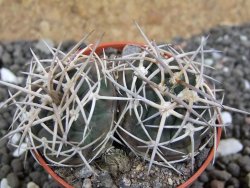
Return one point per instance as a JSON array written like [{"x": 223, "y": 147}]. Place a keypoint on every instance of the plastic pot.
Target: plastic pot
[{"x": 62, "y": 182}]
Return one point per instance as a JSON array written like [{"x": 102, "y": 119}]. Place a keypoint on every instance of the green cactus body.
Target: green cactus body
[
  {"x": 141, "y": 122},
  {"x": 79, "y": 120}
]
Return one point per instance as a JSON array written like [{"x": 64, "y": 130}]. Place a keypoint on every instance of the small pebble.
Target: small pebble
[
  {"x": 220, "y": 174},
  {"x": 17, "y": 165},
  {"x": 234, "y": 182},
  {"x": 170, "y": 181},
  {"x": 32, "y": 185},
  {"x": 243, "y": 38},
  {"x": 246, "y": 151},
  {"x": 124, "y": 182},
  {"x": 1, "y": 50},
  {"x": 234, "y": 169},
  {"x": 4, "y": 183},
  {"x": 209, "y": 62},
  {"x": 84, "y": 172},
  {"x": 105, "y": 180},
  {"x": 5, "y": 158},
  {"x": 5, "y": 169},
  {"x": 226, "y": 117},
  {"x": 248, "y": 179},
  {"x": 244, "y": 163},
  {"x": 87, "y": 183},
  {"x": 139, "y": 167},
  {"x": 204, "y": 177},
  {"x": 41, "y": 45},
  {"x": 197, "y": 184},
  {"x": 13, "y": 180},
  {"x": 217, "y": 184},
  {"x": 130, "y": 49},
  {"x": 247, "y": 84},
  {"x": 6, "y": 58},
  {"x": 38, "y": 177},
  {"x": 229, "y": 146},
  {"x": 8, "y": 76}
]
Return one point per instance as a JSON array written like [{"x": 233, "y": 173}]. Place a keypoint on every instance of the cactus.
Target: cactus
[
  {"x": 172, "y": 112},
  {"x": 68, "y": 111},
  {"x": 158, "y": 101}
]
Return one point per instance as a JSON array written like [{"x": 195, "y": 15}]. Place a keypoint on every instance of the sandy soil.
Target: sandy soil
[{"x": 162, "y": 20}]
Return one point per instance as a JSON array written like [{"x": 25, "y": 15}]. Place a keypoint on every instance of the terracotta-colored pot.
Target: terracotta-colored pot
[{"x": 62, "y": 182}]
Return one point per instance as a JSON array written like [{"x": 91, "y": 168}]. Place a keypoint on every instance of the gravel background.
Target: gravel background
[{"x": 233, "y": 71}]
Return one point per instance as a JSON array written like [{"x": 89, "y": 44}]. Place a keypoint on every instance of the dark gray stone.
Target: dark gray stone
[
  {"x": 3, "y": 125},
  {"x": 130, "y": 49},
  {"x": 67, "y": 45},
  {"x": 210, "y": 167},
  {"x": 3, "y": 143},
  {"x": 246, "y": 151},
  {"x": 5, "y": 169},
  {"x": 19, "y": 61},
  {"x": 6, "y": 58},
  {"x": 220, "y": 174},
  {"x": 217, "y": 184},
  {"x": 13, "y": 180},
  {"x": 50, "y": 184},
  {"x": 234, "y": 182},
  {"x": 244, "y": 163},
  {"x": 5, "y": 158},
  {"x": 9, "y": 47},
  {"x": 234, "y": 169},
  {"x": 126, "y": 183},
  {"x": 15, "y": 68},
  {"x": 110, "y": 51},
  {"x": 38, "y": 178},
  {"x": 204, "y": 177},
  {"x": 105, "y": 180},
  {"x": 17, "y": 165},
  {"x": 3, "y": 94},
  {"x": 197, "y": 184},
  {"x": 1, "y": 50}
]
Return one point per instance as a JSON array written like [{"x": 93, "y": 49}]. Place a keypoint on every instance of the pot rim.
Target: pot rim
[{"x": 120, "y": 46}]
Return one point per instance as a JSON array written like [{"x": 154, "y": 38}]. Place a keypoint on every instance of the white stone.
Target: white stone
[
  {"x": 216, "y": 55},
  {"x": 208, "y": 62},
  {"x": 1, "y": 104},
  {"x": 15, "y": 138},
  {"x": 18, "y": 152},
  {"x": 8, "y": 76},
  {"x": 226, "y": 117},
  {"x": 229, "y": 146},
  {"x": 32, "y": 185},
  {"x": 243, "y": 38},
  {"x": 87, "y": 183},
  {"x": 170, "y": 181},
  {"x": 247, "y": 84},
  {"x": 4, "y": 183},
  {"x": 225, "y": 69}
]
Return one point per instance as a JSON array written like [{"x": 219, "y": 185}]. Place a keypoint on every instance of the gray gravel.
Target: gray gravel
[{"x": 233, "y": 70}]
